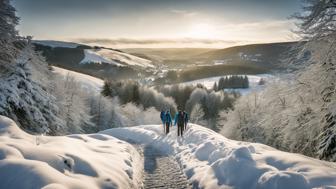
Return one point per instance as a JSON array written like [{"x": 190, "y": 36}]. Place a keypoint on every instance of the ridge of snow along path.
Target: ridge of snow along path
[
  {"x": 212, "y": 161},
  {"x": 75, "y": 161}
]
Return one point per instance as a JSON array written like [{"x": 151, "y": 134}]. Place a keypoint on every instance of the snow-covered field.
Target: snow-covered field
[
  {"x": 114, "y": 57},
  {"x": 91, "y": 56},
  {"x": 74, "y": 161},
  {"x": 253, "y": 82},
  {"x": 126, "y": 58},
  {"x": 212, "y": 161},
  {"x": 54, "y": 44},
  {"x": 89, "y": 83}
]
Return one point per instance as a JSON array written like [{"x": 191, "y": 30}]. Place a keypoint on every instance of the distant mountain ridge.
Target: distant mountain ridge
[
  {"x": 188, "y": 63},
  {"x": 268, "y": 55},
  {"x": 98, "y": 61}
]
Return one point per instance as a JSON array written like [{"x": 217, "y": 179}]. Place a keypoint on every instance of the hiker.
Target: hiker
[
  {"x": 179, "y": 119},
  {"x": 186, "y": 119},
  {"x": 168, "y": 120},
  {"x": 163, "y": 118}
]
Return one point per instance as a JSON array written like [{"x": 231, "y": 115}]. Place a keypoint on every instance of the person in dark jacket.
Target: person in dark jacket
[
  {"x": 168, "y": 121},
  {"x": 163, "y": 119},
  {"x": 179, "y": 120}
]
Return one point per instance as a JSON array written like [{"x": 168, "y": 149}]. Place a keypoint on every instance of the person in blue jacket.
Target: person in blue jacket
[
  {"x": 168, "y": 120},
  {"x": 163, "y": 119},
  {"x": 179, "y": 120}
]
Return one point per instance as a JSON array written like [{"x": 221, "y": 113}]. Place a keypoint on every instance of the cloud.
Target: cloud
[
  {"x": 184, "y": 13},
  {"x": 158, "y": 43}
]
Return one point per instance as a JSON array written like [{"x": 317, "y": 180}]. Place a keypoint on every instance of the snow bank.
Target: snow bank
[
  {"x": 53, "y": 44},
  {"x": 74, "y": 161},
  {"x": 91, "y": 56},
  {"x": 90, "y": 83},
  {"x": 212, "y": 161}
]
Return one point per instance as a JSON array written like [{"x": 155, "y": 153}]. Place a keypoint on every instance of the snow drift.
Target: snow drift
[
  {"x": 74, "y": 161},
  {"x": 212, "y": 161}
]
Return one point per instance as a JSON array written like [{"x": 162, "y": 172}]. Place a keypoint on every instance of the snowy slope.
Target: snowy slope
[
  {"x": 74, "y": 161},
  {"x": 91, "y": 56},
  {"x": 54, "y": 44},
  {"x": 212, "y": 161},
  {"x": 126, "y": 58},
  {"x": 253, "y": 82},
  {"x": 89, "y": 83},
  {"x": 114, "y": 57}
]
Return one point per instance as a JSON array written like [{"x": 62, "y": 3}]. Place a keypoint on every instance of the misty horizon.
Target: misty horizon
[{"x": 159, "y": 24}]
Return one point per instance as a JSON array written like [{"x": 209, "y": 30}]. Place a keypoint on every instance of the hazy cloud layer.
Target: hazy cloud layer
[{"x": 158, "y": 43}]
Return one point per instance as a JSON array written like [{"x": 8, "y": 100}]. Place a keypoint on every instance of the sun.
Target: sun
[{"x": 201, "y": 30}]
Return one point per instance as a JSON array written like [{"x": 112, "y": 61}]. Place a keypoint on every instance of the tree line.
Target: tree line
[{"x": 231, "y": 82}]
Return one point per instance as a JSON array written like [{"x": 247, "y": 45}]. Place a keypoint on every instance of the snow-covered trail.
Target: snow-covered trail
[
  {"x": 211, "y": 161},
  {"x": 161, "y": 170}
]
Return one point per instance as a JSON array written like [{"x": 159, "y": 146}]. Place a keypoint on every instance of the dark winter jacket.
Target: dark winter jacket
[{"x": 176, "y": 119}]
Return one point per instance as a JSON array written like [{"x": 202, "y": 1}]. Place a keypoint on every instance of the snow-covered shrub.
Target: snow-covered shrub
[
  {"x": 109, "y": 113},
  {"x": 212, "y": 103},
  {"x": 133, "y": 92},
  {"x": 72, "y": 101}
]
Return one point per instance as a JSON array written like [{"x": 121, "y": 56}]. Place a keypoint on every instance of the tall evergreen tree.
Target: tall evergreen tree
[{"x": 8, "y": 35}]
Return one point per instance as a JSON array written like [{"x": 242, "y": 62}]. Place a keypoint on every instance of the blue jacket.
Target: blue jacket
[
  {"x": 168, "y": 118},
  {"x": 163, "y": 116}
]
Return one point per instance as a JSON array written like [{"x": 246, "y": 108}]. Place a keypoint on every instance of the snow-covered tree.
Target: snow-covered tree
[
  {"x": 73, "y": 103},
  {"x": 197, "y": 114},
  {"x": 8, "y": 35},
  {"x": 318, "y": 19},
  {"x": 318, "y": 24}
]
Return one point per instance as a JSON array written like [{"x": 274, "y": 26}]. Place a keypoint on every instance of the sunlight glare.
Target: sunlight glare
[{"x": 202, "y": 30}]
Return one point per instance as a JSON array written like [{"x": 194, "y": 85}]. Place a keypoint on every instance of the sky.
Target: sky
[{"x": 158, "y": 23}]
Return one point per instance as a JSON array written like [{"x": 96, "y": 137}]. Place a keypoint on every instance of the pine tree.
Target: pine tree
[{"x": 8, "y": 35}]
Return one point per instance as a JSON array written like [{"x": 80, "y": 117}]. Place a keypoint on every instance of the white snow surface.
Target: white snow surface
[
  {"x": 212, "y": 161},
  {"x": 126, "y": 58},
  {"x": 54, "y": 44},
  {"x": 90, "y": 56},
  {"x": 74, "y": 161},
  {"x": 114, "y": 57},
  {"x": 89, "y": 83},
  {"x": 253, "y": 82}
]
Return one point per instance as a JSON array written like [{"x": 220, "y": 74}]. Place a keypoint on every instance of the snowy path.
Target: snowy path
[{"x": 161, "y": 170}]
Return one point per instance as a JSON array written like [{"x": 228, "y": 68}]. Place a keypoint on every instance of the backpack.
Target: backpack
[
  {"x": 162, "y": 115},
  {"x": 168, "y": 118},
  {"x": 186, "y": 117},
  {"x": 180, "y": 118}
]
